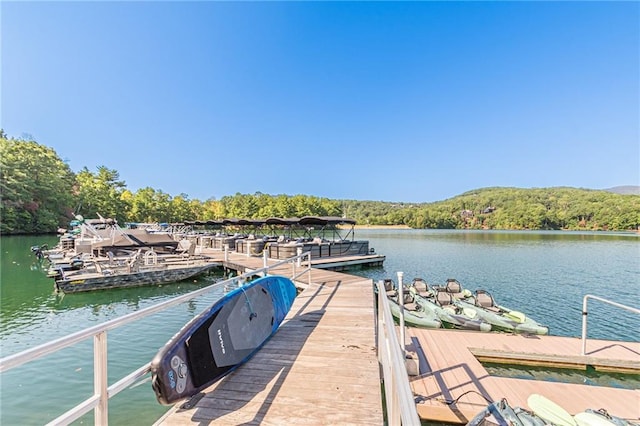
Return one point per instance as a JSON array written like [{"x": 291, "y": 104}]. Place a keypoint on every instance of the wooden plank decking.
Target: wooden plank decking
[
  {"x": 449, "y": 371},
  {"x": 320, "y": 367}
]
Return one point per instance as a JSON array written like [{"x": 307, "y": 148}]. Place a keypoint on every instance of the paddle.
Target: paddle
[
  {"x": 550, "y": 411},
  {"x": 516, "y": 316}
]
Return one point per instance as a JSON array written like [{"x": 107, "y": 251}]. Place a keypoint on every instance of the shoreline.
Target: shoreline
[{"x": 382, "y": 227}]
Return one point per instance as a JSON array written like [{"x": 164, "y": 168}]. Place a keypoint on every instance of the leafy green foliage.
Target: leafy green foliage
[
  {"x": 40, "y": 193},
  {"x": 510, "y": 208},
  {"x": 101, "y": 193},
  {"x": 36, "y": 186}
]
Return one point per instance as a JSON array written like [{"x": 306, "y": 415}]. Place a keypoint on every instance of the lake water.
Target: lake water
[{"x": 544, "y": 274}]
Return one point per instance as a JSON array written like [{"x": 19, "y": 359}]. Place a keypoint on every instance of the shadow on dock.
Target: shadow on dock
[{"x": 250, "y": 391}]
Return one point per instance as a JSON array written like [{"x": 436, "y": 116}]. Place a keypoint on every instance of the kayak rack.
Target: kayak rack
[{"x": 584, "y": 315}]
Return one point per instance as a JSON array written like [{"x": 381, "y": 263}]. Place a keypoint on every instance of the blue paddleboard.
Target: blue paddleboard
[{"x": 221, "y": 338}]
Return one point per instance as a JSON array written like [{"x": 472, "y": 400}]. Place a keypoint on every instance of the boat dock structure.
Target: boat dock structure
[
  {"x": 453, "y": 386},
  {"x": 321, "y": 367},
  {"x": 337, "y": 360}
]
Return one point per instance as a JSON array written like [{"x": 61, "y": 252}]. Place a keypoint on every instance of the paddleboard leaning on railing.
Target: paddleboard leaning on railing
[{"x": 221, "y": 338}]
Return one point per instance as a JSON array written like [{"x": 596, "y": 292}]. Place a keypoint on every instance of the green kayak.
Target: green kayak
[
  {"x": 501, "y": 318},
  {"x": 414, "y": 314},
  {"x": 442, "y": 305}
]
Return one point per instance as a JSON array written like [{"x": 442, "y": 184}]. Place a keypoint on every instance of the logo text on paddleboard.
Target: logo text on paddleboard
[{"x": 221, "y": 341}]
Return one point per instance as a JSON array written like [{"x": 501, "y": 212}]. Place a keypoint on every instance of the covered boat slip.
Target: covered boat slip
[
  {"x": 324, "y": 236},
  {"x": 450, "y": 370},
  {"x": 318, "y": 248},
  {"x": 321, "y": 366}
]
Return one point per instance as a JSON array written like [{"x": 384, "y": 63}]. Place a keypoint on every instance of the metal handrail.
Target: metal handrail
[
  {"x": 102, "y": 392},
  {"x": 401, "y": 408},
  {"x": 585, "y": 313}
]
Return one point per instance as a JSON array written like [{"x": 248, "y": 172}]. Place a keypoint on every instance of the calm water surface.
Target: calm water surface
[{"x": 544, "y": 274}]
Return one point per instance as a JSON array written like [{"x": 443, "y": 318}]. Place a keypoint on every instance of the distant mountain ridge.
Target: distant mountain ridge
[
  {"x": 552, "y": 208},
  {"x": 625, "y": 190}
]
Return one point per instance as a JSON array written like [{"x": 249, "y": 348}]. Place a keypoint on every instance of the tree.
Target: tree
[
  {"x": 36, "y": 187},
  {"x": 181, "y": 209},
  {"x": 101, "y": 193},
  {"x": 149, "y": 205}
]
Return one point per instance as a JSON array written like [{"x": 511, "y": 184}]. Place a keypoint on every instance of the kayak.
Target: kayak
[
  {"x": 414, "y": 314},
  {"x": 501, "y": 318},
  {"x": 600, "y": 417},
  {"x": 553, "y": 413},
  {"x": 542, "y": 412},
  {"x": 501, "y": 413},
  {"x": 441, "y": 303}
]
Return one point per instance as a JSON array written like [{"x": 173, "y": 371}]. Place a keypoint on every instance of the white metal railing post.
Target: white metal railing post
[
  {"x": 226, "y": 252},
  {"x": 400, "y": 404},
  {"x": 100, "y": 384},
  {"x": 585, "y": 313},
  {"x": 299, "y": 253},
  {"x": 401, "y": 303},
  {"x": 264, "y": 257},
  {"x": 584, "y": 324}
]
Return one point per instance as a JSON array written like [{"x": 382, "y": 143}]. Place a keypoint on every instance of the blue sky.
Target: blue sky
[{"x": 387, "y": 101}]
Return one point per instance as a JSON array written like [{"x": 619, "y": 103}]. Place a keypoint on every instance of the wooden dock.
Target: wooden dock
[
  {"x": 240, "y": 262},
  {"x": 321, "y": 366},
  {"x": 450, "y": 370}
]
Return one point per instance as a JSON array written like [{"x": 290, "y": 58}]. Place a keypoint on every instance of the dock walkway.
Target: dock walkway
[
  {"x": 450, "y": 370},
  {"x": 321, "y": 366}
]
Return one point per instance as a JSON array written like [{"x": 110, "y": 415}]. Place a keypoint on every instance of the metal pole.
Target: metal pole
[
  {"x": 401, "y": 303},
  {"x": 226, "y": 252},
  {"x": 584, "y": 324},
  {"x": 584, "y": 315},
  {"x": 264, "y": 257},
  {"x": 100, "y": 384}
]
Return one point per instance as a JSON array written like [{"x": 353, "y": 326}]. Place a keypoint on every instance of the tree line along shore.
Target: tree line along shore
[{"x": 40, "y": 194}]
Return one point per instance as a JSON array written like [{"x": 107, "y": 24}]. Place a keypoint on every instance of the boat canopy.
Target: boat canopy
[
  {"x": 290, "y": 221},
  {"x": 304, "y": 227},
  {"x": 325, "y": 220},
  {"x": 282, "y": 221}
]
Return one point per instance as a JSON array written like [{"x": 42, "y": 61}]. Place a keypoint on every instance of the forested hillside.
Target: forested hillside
[
  {"x": 40, "y": 193},
  {"x": 510, "y": 208}
]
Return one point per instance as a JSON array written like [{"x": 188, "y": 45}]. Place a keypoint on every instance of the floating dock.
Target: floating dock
[
  {"x": 453, "y": 386},
  {"x": 321, "y": 366},
  {"x": 241, "y": 262}
]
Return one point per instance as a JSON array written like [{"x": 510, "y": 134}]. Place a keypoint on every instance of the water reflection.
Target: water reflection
[
  {"x": 496, "y": 236},
  {"x": 590, "y": 376}
]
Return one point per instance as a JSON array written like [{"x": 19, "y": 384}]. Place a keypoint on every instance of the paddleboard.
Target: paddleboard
[
  {"x": 550, "y": 411},
  {"x": 221, "y": 338}
]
